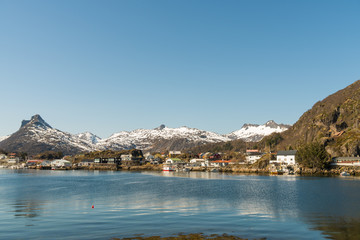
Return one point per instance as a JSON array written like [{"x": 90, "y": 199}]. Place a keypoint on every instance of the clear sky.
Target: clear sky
[{"x": 108, "y": 66}]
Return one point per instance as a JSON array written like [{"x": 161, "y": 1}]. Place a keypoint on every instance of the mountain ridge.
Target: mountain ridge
[
  {"x": 255, "y": 132},
  {"x": 36, "y": 135}
]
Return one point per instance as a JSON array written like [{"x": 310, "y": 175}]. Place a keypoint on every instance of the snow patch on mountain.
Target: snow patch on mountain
[
  {"x": 36, "y": 130},
  {"x": 89, "y": 137},
  {"x": 4, "y": 137},
  {"x": 56, "y": 137},
  {"x": 255, "y": 132},
  {"x": 145, "y": 138}
]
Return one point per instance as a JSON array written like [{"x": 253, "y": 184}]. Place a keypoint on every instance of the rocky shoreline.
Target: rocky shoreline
[{"x": 246, "y": 169}]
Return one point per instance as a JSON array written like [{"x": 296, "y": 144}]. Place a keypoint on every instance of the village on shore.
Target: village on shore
[{"x": 277, "y": 163}]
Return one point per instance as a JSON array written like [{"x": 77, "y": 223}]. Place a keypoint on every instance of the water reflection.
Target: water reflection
[
  {"x": 340, "y": 228},
  {"x": 252, "y": 206},
  {"x": 27, "y": 208},
  {"x": 195, "y": 174}
]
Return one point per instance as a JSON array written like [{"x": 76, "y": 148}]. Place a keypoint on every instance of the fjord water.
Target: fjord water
[{"x": 58, "y": 205}]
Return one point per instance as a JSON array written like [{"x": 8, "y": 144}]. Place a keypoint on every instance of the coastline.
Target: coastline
[{"x": 238, "y": 169}]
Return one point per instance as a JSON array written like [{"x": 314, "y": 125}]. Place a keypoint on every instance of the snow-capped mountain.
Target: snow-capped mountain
[
  {"x": 35, "y": 135},
  {"x": 146, "y": 138},
  {"x": 4, "y": 137},
  {"x": 89, "y": 137},
  {"x": 254, "y": 132}
]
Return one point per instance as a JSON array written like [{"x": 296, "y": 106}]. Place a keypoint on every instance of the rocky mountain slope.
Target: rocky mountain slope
[
  {"x": 333, "y": 121},
  {"x": 36, "y": 136},
  {"x": 89, "y": 137},
  {"x": 3, "y": 138}
]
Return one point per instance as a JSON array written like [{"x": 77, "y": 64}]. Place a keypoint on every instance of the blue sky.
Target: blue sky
[{"x": 108, "y": 66}]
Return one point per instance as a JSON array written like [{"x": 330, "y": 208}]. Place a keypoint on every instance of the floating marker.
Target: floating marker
[{"x": 92, "y": 206}]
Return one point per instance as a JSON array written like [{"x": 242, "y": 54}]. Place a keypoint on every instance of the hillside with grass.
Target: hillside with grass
[{"x": 334, "y": 122}]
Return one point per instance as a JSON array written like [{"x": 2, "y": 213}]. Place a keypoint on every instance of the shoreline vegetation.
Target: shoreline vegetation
[
  {"x": 192, "y": 236},
  {"x": 310, "y": 162},
  {"x": 239, "y": 169}
]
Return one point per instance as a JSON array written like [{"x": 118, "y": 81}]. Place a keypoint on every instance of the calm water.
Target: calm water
[{"x": 57, "y": 205}]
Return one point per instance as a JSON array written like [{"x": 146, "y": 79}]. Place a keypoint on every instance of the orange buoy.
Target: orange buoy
[{"x": 92, "y": 206}]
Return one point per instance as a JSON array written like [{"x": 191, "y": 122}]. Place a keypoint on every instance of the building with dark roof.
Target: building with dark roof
[{"x": 285, "y": 157}]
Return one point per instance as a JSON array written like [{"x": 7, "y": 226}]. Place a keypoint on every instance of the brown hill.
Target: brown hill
[{"x": 333, "y": 121}]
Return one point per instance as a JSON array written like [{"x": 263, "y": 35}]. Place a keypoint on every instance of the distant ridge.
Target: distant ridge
[
  {"x": 36, "y": 135},
  {"x": 334, "y": 122},
  {"x": 255, "y": 132}
]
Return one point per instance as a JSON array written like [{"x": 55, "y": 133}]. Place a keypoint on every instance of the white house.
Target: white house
[
  {"x": 197, "y": 162},
  {"x": 2, "y": 156},
  {"x": 285, "y": 157},
  {"x": 174, "y": 161},
  {"x": 252, "y": 156},
  {"x": 61, "y": 163},
  {"x": 13, "y": 160},
  {"x": 220, "y": 163}
]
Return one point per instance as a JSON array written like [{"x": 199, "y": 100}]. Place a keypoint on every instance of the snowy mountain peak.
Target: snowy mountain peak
[
  {"x": 89, "y": 137},
  {"x": 272, "y": 124},
  {"x": 248, "y": 125},
  {"x": 255, "y": 132},
  {"x": 35, "y": 121},
  {"x": 161, "y": 127},
  {"x": 35, "y": 135},
  {"x": 146, "y": 139}
]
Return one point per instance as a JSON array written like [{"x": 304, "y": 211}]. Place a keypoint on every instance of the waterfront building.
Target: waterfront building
[
  {"x": 45, "y": 163},
  {"x": 285, "y": 158},
  {"x": 346, "y": 161},
  {"x": 175, "y": 161},
  {"x": 60, "y": 163},
  {"x": 86, "y": 162},
  {"x": 13, "y": 160},
  {"x": 199, "y": 162},
  {"x": 252, "y": 155},
  {"x": 220, "y": 163},
  {"x": 34, "y": 162},
  {"x": 134, "y": 158}
]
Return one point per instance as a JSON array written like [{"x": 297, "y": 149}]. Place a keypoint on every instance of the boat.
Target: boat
[
  {"x": 344, "y": 174},
  {"x": 168, "y": 168}
]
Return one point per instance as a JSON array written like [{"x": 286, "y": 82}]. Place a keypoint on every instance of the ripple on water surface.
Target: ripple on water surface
[{"x": 57, "y": 205}]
